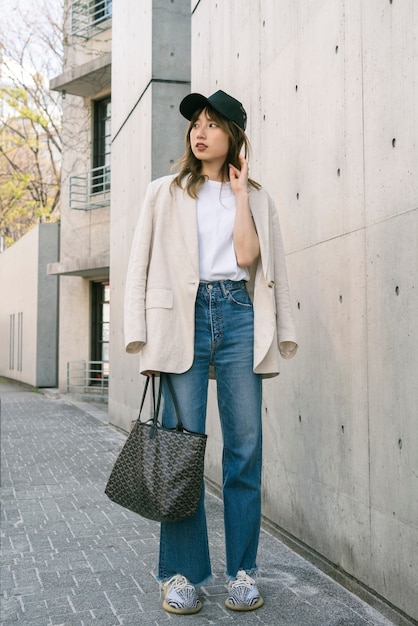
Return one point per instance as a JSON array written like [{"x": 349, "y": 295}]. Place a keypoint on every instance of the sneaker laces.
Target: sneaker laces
[
  {"x": 242, "y": 580},
  {"x": 179, "y": 583}
]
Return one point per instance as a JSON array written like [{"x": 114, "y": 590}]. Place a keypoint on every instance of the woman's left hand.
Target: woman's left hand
[
  {"x": 239, "y": 178},
  {"x": 246, "y": 244}
]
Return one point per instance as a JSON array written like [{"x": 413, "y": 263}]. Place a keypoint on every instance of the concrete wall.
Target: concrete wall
[
  {"x": 30, "y": 299},
  {"x": 150, "y": 75},
  {"x": 330, "y": 89}
]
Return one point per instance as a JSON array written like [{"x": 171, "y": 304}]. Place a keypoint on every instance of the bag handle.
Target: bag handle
[
  {"x": 157, "y": 404},
  {"x": 173, "y": 397},
  {"x": 143, "y": 397}
]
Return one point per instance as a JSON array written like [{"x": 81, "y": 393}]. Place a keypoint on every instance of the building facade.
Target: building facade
[{"x": 83, "y": 267}]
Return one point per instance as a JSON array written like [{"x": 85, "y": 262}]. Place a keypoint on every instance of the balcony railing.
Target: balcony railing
[
  {"x": 90, "y": 190},
  {"x": 88, "y": 379},
  {"x": 90, "y": 16}
]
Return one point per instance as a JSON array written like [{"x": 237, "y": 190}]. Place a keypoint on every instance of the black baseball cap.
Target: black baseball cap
[{"x": 220, "y": 101}]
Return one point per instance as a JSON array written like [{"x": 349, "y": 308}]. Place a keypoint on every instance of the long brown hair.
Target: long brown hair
[{"x": 191, "y": 167}]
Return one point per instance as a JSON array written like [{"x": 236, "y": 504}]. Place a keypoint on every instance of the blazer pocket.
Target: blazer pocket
[{"x": 159, "y": 298}]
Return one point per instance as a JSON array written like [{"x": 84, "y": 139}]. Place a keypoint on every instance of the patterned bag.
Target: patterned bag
[{"x": 159, "y": 471}]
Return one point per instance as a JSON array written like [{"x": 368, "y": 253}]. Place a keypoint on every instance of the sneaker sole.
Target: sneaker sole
[
  {"x": 191, "y": 611},
  {"x": 244, "y": 607}
]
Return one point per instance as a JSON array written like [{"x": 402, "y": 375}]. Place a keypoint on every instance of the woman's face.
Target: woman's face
[{"x": 208, "y": 141}]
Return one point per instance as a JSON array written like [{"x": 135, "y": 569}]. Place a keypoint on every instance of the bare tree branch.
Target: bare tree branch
[{"x": 31, "y": 52}]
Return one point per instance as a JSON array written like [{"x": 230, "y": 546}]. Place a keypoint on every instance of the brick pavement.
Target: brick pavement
[{"x": 71, "y": 557}]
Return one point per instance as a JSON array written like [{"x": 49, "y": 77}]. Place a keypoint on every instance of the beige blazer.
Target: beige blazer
[{"x": 163, "y": 278}]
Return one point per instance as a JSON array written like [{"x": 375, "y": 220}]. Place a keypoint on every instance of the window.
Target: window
[
  {"x": 12, "y": 339},
  {"x": 90, "y": 16},
  {"x": 12, "y": 342},
  {"x": 19, "y": 341},
  {"x": 102, "y": 10},
  {"x": 100, "y": 322},
  {"x": 101, "y": 146}
]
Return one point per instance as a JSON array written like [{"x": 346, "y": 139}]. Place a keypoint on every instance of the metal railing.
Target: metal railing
[
  {"x": 88, "y": 379},
  {"x": 90, "y": 15},
  {"x": 90, "y": 190}
]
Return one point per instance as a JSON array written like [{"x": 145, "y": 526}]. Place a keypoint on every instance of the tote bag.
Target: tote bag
[{"x": 159, "y": 471}]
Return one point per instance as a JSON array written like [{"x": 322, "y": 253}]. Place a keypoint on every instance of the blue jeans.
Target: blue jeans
[{"x": 224, "y": 332}]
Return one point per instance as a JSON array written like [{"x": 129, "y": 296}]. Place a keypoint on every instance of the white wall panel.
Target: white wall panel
[
  {"x": 19, "y": 289},
  {"x": 390, "y": 107},
  {"x": 393, "y": 399},
  {"x": 393, "y": 554},
  {"x": 28, "y": 302},
  {"x": 132, "y": 56},
  {"x": 222, "y": 58},
  {"x": 131, "y": 172},
  {"x": 316, "y": 423}
]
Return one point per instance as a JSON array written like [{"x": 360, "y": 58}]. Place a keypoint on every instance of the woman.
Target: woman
[{"x": 207, "y": 295}]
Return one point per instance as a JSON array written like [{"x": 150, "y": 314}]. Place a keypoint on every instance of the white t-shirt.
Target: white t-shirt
[{"x": 215, "y": 222}]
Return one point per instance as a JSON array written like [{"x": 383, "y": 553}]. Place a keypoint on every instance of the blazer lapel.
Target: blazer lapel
[
  {"x": 260, "y": 213},
  {"x": 186, "y": 213}
]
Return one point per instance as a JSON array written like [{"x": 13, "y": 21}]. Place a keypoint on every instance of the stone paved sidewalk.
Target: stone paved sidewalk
[{"x": 71, "y": 557}]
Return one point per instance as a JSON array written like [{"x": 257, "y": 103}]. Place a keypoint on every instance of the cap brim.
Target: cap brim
[{"x": 192, "y": 103}]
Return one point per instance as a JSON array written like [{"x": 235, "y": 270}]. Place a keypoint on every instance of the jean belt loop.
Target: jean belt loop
[{"x": 224, "y": 288}]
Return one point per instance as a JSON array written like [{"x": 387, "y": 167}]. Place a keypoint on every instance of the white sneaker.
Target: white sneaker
[
  {"x": 243, "y": 594},
  {"x": 180, "y": 596}
]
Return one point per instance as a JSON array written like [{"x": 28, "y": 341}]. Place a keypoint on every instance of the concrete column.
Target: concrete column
[{"x": 151, "y": 74}]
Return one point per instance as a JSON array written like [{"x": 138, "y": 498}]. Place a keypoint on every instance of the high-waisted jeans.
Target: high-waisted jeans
[{"x": 224, "y": 333}]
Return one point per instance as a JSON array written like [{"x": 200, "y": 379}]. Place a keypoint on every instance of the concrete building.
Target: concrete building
[
  {"x": 29, "y": 308},
  {"x": 330, "y": 91},
  {"x": 83, "y": 267}
]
